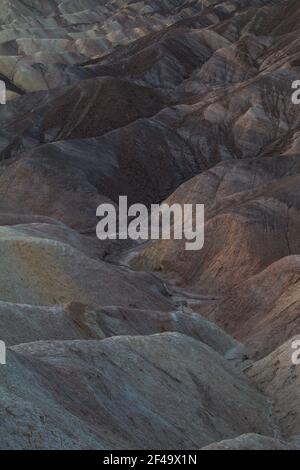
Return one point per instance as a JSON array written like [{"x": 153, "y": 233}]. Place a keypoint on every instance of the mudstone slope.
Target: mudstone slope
[{"x": 128, "y": 346}]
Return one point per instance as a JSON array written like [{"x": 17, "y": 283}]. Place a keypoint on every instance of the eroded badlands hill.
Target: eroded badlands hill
[{"x": 184, "y": 100}]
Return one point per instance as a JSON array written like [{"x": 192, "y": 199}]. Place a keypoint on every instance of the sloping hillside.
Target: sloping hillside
[{"x": 117, "y": 345}]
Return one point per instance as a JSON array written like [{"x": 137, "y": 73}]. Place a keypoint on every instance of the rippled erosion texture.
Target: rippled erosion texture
[{"x": 125, "y": 346}]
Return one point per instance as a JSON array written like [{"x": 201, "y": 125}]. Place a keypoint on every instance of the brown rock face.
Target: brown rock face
[
  {"x": 262, "y": 312},
  {"x": 114, "y": 345},
  {"x": 252, "y": 220}
]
